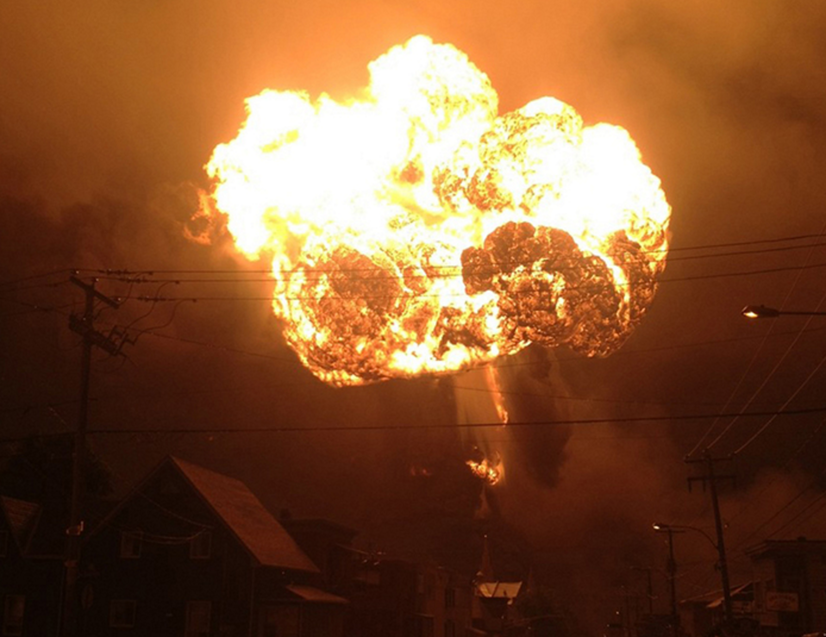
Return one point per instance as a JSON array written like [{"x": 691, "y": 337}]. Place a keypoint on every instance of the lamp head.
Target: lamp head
[{"x": 760, "y": 311}]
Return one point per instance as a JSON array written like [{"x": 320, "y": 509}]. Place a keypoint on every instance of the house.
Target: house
[
  {"x": 322, "y": 541},
  {"x": 789, "y": 586},
  {"x": 700, "y": 615},
  {"x": 391, "y": 597},
  {"x": 31, "y": 569},
  {"x": 494, "y": 610},
  {"x": 193, "y": 552},
  {"x": 786, "y": 596},
  {"x": 388, "y": 597}
]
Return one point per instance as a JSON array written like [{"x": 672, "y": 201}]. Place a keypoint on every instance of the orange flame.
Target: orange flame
[
  {"x": 491, "y": 471},
  {"x": 416, "y": 231}
]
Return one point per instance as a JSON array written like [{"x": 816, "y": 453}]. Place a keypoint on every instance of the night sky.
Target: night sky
[{"x": 109, "y": 112}]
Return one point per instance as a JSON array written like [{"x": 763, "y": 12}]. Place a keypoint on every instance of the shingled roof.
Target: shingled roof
[{"x": 243, "y": 514}]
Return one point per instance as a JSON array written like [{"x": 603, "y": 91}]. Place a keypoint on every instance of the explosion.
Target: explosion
[{"x": 416, "y": 231}]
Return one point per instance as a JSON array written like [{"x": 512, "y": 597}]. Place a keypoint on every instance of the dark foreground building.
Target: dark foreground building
[
  {"x": 31, "y": 569},
  {"x": 192, "y": 552}
]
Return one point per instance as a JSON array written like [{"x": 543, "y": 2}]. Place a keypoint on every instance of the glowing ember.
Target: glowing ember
[
  {"x": 491, "y": 471},
  {"x": 415, "y": 231}
]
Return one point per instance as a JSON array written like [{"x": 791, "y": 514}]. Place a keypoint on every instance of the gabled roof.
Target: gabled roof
[
  {"x": 712, "y": 599},
  {"x": 243, "y": 514},
  {"x": 745, "y": 593},
  {"x": 36, "y": 528},
  {"x": 21, "y": 517},
  {"x": 315, "y": 595}
]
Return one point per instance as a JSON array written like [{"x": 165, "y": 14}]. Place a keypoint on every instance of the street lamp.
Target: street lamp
[
  {"x": 761, "y": 311},
  {"x": 663, "y": 528},
  {"x": 672, "y": 567},
  {"x": 721, "y": 552}
]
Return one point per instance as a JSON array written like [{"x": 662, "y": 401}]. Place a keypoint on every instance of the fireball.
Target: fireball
[{"x": 415, "y": 230}]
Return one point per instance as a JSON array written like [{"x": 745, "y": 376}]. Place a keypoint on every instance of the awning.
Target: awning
[
  {"x": 315, "y": 595},
  {"x": 506, "y": 590},
  {"x": 716, "y": 603}
]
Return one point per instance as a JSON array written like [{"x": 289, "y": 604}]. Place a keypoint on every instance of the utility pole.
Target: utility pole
[
  {"x": 83, "y": 325},
  {"x": 711, "y": 478}
]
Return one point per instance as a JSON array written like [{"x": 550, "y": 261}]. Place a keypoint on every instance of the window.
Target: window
[
  {"x": 425, "y": 628},
  {"x": 429, "y": 586},
  {"x": 13, "y": 611},
  {"x": 450, "y": 597},
  {"x": 122, "y": 613},
  {"x": 278, "y": 621},
  {"x": 4, "y": 543},
  {"x": 198, "y": 619},
  {"x": 450, "y": 628},
  {"x": 130, "y": 544},
  {"x": 200, "y": 546}
]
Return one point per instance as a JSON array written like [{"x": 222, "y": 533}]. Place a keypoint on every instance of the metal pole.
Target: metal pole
[
  {"x": 650, "y": 593},
  {"x": 672, "y": 576}
]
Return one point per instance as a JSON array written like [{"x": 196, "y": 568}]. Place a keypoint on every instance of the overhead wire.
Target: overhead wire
[
  {"x": 786, "y": 466},
  {"x": 771, "y": 374},
  {"x": 32, "y": 277},
  {"x": 806, "y": 513},
  {"x": 676, "y": 279},
  {"x": 452, "y": 425},
  {"x": 430, "y": 426},
  {"x": 753, "y": 360},
  {"x": 765, "y": 425},
  {"x": 756, "y": 529},
  {"x": 670, "y": 250}
]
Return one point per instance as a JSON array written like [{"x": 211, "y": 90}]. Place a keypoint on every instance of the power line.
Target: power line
[
  {"x": 442, "y": 271},
  {"x": 425, "y": 426},
  {"x": 777, "y": 513},
  {"x": 32, "y": 277},
  {"x": 671, "y": 249},
  {"x": 785, "y": 467},
  {"x": 754, "y": 359},
  {"x": 808, "y": 511},
  {"x": 195, "y": 299},
  {"x": 763, "y": 428}
]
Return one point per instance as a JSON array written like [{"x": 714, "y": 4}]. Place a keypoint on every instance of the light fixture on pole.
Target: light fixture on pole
[
  {"x": 761, "y": 311},
  {"x": 672, "y": 568},
  {"x": 718, "y": 546}
]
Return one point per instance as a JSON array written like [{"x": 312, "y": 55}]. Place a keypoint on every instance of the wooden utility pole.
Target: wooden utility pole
[
  {"x": 711, "y": 478},
  {"x": 83, "y": 325}
]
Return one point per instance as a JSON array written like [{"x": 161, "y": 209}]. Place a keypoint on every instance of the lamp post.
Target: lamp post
[
  {"x": 761, "y": 311},
  {"x": 721, "y": 553},
  {"x": 672, "y": 565}
]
